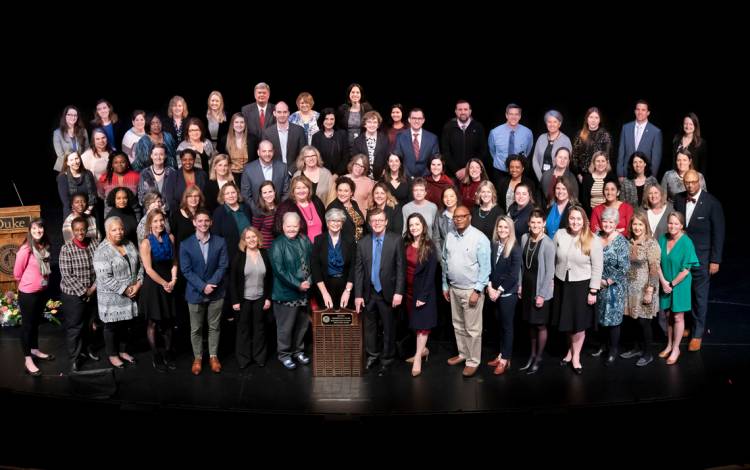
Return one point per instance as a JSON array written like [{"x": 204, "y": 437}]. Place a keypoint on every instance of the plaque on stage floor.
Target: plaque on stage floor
[
  {"x": 14, "y": 225},
  {"x": 337, "y": 343}
]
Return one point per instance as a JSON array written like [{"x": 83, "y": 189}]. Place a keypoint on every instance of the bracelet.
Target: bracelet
[
  {"x": 671, "y": 285},
  {"x": 593, "y": 292}
]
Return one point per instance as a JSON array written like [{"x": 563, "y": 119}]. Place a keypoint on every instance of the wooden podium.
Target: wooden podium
[
  {"x": 337, "y": 343},
  {"x": 14, "y": 225}
]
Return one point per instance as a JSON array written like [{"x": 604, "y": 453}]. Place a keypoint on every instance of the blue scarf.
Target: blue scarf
[
  {"x": 335, "y": 259},
  {"x": 160, "y": 251}
]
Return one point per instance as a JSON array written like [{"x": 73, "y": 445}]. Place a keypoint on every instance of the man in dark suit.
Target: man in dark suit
[
  {"x": 704, "y": 217},
  {"x": 204, "y": 261},
  {"x": 372, "y": 120},
  {"x": 259, "y": 115},
  {"x": 379, "y": 286},
  {"x": 639, "y": 135},
  {"x": 416, "y": 146},
  {"x": 287, "y": 138},
  {"x": 264, "y": 168},
  {"x": 462, "y": 139}
]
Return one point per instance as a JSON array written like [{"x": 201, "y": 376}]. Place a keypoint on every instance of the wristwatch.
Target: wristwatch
[
  {"x": 479, "y": 292},
  {"x": 671, "y": 285}
]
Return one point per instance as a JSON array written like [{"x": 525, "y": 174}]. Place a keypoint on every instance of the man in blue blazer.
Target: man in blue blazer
[
  {"x": 264, "y": 168},
  {"x": 704, "y": 217},
  {"x": 204, "y": 261},
  {"x": 639, "y": 135},
  {"x": 416, "y": 139}
]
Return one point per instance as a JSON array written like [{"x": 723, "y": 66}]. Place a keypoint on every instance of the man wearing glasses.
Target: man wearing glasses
[
  {"x": 379, "y": 285},
  {"x": 466, "y": 271}
]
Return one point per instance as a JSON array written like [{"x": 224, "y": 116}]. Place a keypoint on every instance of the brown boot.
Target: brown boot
[
  {"x": 215, "y": 364},
  {"x": 197, "y": 366}
]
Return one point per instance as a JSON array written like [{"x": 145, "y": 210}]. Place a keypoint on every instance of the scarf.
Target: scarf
[{"x": 42, "y": 258}]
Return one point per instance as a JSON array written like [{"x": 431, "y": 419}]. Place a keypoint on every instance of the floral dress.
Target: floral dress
[
  {"x": 644, "y": 273},
  {"x": 610, "y": 302}
]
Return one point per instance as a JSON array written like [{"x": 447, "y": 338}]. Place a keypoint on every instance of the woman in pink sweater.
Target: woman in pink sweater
[{"x": 32, "y": 272}]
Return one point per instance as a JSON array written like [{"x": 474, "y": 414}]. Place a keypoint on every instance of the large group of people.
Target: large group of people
[{"x": 187, "y": 220}]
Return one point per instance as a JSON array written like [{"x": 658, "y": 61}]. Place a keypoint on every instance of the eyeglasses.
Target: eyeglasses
[
  {"x": 377, "y": 221},
  {"x": 417, "y": 118}
]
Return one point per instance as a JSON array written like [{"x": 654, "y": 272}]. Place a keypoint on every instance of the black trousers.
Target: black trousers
[
  {"x": 250, "y": 342},
  {"x": 78, "y": 316},
  {"x": 32, "y": 308},
  {"x": 376, "y": 308},
  {"x": 116, "y": 336},
  {"x": 701, "y": 286}
]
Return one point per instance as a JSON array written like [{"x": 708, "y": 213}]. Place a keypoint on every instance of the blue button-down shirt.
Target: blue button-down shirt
[{"x": 498, "y": 144}]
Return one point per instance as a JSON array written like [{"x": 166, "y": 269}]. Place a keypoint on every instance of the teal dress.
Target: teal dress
[
  {"x": 680, "y": 258},
  {"x": 610, "y": 302}
]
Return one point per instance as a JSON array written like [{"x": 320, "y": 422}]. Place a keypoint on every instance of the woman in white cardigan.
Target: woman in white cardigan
[{"x": 578, "y": 277}]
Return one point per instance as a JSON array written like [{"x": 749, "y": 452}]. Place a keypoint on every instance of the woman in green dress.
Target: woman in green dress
[{"x": 677, "y": 257}]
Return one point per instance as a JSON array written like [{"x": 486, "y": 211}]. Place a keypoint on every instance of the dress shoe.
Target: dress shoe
[
  {"x": 578, "y": 370},
  {"x": 158, "y": 363},
  {"x": 534, "y": 367},
  {"x": 130, "y": 360},
  {"x": 632, "y": 353},
  {"x": 48, "y": 357},
  {"x": 610, "y": 361},
  {"x": 383, "y": 370},
  {"x": 598, "y": 352},
  {"x": 494, "y": 362},
  {"x": 695, "y": 344},
  {"x": 91, "y": 354},
  {"x": 289, "y": 363},
  {"x": 371, "y": 362},
  {"x": 502, "y": 367},
  {"x": 528, "y": 364},
  {"x": 37, "y": 373},
  {"x": 665, "y": 353},
  {"x": 169, "y": 360},
  {"x": 197, "y": 366},
  {"x": 644, "y": 360},
  {"x": 673, "y": 360},
  {"x": 119, "y": 365},
  {"x": 425, "y": 356},
  {"x": 455, "y": 360},
  {"x": 685, "y": 333},
  {"x": 215, "y": 364},
  {"x": 564, "y": 363},
  {"x": 469, "y": 371},
  {"x": 302, "y": 358},
  {"x": 416, "y": 372}
]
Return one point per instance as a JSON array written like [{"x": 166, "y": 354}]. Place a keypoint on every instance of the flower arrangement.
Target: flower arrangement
[
  {"x": 10, "y": 314},
  {"x": 51, "y": 309}
]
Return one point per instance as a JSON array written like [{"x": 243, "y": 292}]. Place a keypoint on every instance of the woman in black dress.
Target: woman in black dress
[{"x": 156, "y": 301}]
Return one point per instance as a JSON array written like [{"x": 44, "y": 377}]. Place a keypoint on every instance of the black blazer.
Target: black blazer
[
  {"x": 200, "y": 180},
  {"x": 221, "y": 135},
  {"x": 320, "y": 257},
  {"x": 392, "y": 267},
  {"x": 225, "y": 226},
  {"x": 333, "y": 151},
  {"x": 503, "y": 188},
  {"x": 381, "y": 152},
  {"x": 706, "y": 226},
  {"x": 167, "y": 125},
  {"x": 461, "y": 146},
  {"x": 252, "y": 118},
  {"x": 342, "y": 114},
  {"x": 424, "y": 317},
  {"x": 294, "y": 143},
  {"x": 584, "y": 195},
  {"x": 237, "y": 277},
  {"x": 506, "y": 272}
]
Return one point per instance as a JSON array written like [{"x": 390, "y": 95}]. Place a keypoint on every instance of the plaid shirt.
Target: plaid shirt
[{"x": 77, "y": 268}]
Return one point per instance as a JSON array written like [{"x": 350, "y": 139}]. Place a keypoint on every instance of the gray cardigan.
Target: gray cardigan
[
  {"x": 539, "y": 148},
  {"x": 113, "y": 275},
  {"x": 545, "y": 277}
]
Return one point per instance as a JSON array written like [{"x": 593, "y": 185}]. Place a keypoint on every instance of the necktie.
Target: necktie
[
  {"x": 512, "y": 143},
  {"x": 415, "y": 145},
  {"x": 262, "y": 118},
  {"x": 638, "y": 135},
  {"x": 375, "y": 272}
]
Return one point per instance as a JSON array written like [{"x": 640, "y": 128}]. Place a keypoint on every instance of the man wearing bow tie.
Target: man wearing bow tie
[{"x": 705, "y": 227}]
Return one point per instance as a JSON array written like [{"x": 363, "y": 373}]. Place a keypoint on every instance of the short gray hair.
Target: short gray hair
[
  {"x": 553, "y": 113},
  {"x": 611, "y": 213},
  {"x": 112, "y": 220},
  {"x": 335, "y": 214},
  {"x": 291, "y": 215}
]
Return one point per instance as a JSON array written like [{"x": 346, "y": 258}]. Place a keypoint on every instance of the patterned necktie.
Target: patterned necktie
[
  {"x": 375, "y": 273},
  {"x": 512, "y": 143},
  {"x": 262, "y": 118},
  {"x": 415, "y": 146}
]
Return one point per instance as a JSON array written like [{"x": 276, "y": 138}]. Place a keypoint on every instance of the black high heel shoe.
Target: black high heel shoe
[
  {"x": 33, "y": 374},
  {"x": 528, "y": 364},
  {"x": 564, "y": 363},
  {"x": 159, "y": 364},
  {"x": 534, "y": 367},
  {"x": 49, "y": 357}
]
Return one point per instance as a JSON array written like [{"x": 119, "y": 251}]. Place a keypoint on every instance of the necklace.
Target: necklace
[
  {"x": 309, "y": 218},
  {"x": 158, "y": 174},
  {"x": 485, "y": 215},
  {"x": 531, "y": 252}
]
